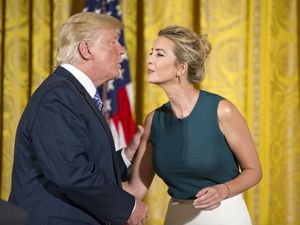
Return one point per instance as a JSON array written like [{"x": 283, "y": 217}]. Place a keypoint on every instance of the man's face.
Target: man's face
[{"x": 107, "y": 56}]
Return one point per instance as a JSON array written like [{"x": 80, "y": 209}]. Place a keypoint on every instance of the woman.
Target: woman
[{"x": 198, "y": 142}]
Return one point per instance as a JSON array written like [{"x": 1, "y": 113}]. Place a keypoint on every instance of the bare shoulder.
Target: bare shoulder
[{"x": 227, "y": 110}]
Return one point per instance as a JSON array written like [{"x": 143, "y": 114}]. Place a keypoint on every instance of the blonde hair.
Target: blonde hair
[
  {"x": 190, "y": 48},
  {"x": 84, "y": 26}
]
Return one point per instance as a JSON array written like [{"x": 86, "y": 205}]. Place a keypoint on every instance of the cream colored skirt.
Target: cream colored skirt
[{"x": 232, "y": 211}]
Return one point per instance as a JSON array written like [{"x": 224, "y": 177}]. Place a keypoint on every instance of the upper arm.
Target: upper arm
[
  {"x": 238, "y": 136},
  {"x": 143, "y": 171}
]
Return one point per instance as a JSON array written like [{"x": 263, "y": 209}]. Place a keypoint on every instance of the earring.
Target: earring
[{"x": 178, "y": 75}]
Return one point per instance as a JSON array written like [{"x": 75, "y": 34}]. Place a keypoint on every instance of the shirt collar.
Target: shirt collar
[{"x": 83, "y": 79}]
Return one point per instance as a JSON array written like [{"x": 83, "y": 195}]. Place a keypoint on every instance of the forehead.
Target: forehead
[
  {"x": 164, "y": 43},
  {"x": 107, "y": 34}
]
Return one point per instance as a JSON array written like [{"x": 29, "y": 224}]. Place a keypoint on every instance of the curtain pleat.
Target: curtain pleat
[
  {"x": 15, "y": 81},
  {"x": 27, "y": 58}
]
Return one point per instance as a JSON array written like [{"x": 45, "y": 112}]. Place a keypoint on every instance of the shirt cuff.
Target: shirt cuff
[
  {"x": 126, "y": 161},
  {"x": 134, "y": 206}
]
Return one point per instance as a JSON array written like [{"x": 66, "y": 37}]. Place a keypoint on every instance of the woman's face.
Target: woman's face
[{"x": 161, "y": 63}]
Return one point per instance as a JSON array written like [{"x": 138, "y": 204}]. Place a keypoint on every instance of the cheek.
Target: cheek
[
  {"x": 167, "y": 69},
  {"x": 113, "y": 55}
]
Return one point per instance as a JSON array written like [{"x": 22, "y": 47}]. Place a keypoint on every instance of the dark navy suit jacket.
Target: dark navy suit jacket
[{"x": 66, "y": 170}]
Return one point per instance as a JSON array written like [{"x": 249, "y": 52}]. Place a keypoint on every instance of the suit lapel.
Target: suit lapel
[
  {"x": 108, "y": 132},
  {"x": 63, "y": 72}
]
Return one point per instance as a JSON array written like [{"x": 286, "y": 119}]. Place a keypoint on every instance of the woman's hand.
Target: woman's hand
[{"x": 210, "y": 198}]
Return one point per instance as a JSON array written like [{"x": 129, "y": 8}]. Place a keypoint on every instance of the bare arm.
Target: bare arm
[
  {"x": 131, "y": 149},
  {"x": 143, "y": 172},
  {"x": 238, "y": 136}
]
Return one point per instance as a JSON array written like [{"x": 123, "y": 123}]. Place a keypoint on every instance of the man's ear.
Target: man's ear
[{"x": 84, "y": 51}]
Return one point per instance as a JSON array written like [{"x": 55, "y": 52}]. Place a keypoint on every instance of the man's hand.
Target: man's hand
[
  {"x": 134, "y": 144},
  {"x": 139, "y": 214}
]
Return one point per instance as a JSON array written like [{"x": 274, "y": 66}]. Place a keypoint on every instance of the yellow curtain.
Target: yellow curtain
[
  {"x": 28, "y": 33},
  {"x": 254, "y": 63}
]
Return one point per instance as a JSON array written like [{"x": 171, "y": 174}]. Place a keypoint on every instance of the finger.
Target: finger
[
  {"x": 208, "y": 206},
  {"x": 207, "y": 193},
  {"x": 202, "y": 192},
  {"x": 203, "y": 203},
  {"x": 140, "y": 130},
  {"x": 210, "y": 196},
  {"x": 209, "y": 202},
  {"x": 211, "y": 207}
]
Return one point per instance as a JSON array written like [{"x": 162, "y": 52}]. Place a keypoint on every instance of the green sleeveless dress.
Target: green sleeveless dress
[{"x": 191, "y": 153}]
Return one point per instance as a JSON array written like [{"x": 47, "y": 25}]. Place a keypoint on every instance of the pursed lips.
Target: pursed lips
[{"x": 149, "y": 71}]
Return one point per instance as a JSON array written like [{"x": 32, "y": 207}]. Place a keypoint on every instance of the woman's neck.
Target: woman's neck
[{"x": 182, "y": 100}]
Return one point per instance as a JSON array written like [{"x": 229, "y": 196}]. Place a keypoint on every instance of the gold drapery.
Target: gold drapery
[
  {"x": 254, "y": 63},
  {"x": 28, "y": 34}
]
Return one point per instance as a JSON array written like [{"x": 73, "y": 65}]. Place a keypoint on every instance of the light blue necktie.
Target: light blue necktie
[{"x": 98, "y": 101}]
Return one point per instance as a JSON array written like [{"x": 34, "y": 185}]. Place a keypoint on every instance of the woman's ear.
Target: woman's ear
[
  {"x": 183, "y": 68},
  {"x": 84, "y": 51}
]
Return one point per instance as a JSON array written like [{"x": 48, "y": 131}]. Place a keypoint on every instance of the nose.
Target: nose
[
  {"x": 121, "y": 49},
  {"x": 148, "y": 61}
]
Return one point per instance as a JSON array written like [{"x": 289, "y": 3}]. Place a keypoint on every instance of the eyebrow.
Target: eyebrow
[{"x": 159, "y": 49}]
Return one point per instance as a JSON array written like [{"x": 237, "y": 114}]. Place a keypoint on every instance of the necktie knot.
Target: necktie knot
[{"x": 98, "y": 101}]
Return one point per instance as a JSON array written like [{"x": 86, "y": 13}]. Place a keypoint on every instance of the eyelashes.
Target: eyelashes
[{"x": 157, "y": 54}]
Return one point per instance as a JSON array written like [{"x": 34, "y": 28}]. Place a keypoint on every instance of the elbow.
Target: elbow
[
  {"x": 131, "y": 189},
  {"x": 254, "y": 176},
  {"x": 136, "y": 192},
  {"x": 259, "y": 176}
]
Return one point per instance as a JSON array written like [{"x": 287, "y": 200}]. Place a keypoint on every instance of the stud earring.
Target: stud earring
[{"x": 178, "y": 75}]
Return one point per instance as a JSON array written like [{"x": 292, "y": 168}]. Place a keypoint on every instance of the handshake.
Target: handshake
[{"x": 139, "y": 213}]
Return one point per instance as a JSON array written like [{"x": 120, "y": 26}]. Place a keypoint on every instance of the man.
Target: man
[{"x": 66, "y": 170}]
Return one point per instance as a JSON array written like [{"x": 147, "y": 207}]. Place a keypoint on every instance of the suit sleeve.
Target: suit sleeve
[
  {"x": 122, "y": 166},
  {"x": 60, "y": 138}
]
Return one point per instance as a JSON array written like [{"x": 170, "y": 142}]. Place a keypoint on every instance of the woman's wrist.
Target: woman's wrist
[
  {"x": 227, "y": 190},
  {"x": 223, "y": 190}
]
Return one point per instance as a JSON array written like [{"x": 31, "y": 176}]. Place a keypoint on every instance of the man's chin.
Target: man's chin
[
  {"x": 115, "y": 76},
  {"x": 119, "y": 74}
]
